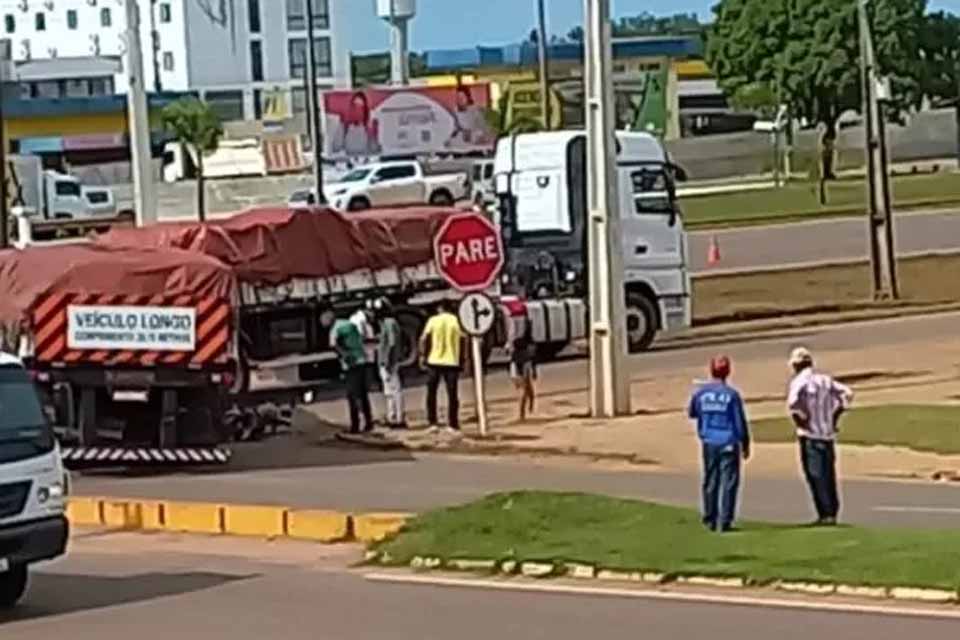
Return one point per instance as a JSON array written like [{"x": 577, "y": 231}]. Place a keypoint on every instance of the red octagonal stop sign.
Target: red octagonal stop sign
[{"x": 469, "y": 252}]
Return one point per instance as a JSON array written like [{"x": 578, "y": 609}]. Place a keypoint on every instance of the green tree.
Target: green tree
[
  {"x": 940, "y": 51},
  {"x": 809, "y": 51},
  {"x": 197, "y": 128},
  {"x": 647, "y": 24},
  {"x": 758, "y": 98}
]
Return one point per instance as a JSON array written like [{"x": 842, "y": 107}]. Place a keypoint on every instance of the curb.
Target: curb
[
  {"x": 580, "y": 571},
  {"x": 270, "y": 522}
]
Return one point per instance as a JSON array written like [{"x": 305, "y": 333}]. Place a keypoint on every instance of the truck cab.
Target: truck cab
[
  {"x": 541, "y": 184},
  {"x": 33, "y": 483}
]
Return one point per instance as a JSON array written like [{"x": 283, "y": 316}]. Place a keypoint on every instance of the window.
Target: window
[
  {"x": 296, "y": 15},
  {"x": 402, "y": 172},
  {"x": 67, "y": 188},
  {"x": 298, "y": 100},
  {"x": 71, "y": 18},
  {"x": 77, "y": 89},
  {"x": 101, "y": 86},
  {"x": 256, "y": 60},
  {"x": 228, "y": 105},
  {"x": 253, "y": 10},
  {"x": 297, "y": 50},
  {"x": 9, "y": 23},
  {"x": 651, "y": 190},
  {"x": 105, "y": 18},
  {"x": 165, "y": 13},
  {"x": 24, "y": 430},
  {"x": 40, "y": 21},
  {"x": 167, "y": 61},
  {"x": 258, "y": 104}
]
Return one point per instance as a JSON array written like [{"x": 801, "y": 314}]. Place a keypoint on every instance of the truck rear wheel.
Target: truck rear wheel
[
  {"x": 642, "y": 322},
  {"x": 411, "y": 326},
  {"x": 13, "y": 584}
]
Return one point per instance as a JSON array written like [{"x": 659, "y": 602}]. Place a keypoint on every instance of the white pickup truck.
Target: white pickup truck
[{"x": 388, "y": 184}]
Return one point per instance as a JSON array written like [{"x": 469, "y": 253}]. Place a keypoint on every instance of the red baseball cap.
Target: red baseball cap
[{"x": 720, "y": 367}]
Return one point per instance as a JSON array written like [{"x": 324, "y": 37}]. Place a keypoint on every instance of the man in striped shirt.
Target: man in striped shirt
[{"x": 815, "y": 402}]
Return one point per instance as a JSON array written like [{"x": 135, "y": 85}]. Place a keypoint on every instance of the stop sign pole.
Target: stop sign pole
[{"x": 468, "y": 251}]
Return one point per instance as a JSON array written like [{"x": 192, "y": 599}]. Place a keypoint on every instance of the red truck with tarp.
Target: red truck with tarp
[{"x": 133, "y": 349}]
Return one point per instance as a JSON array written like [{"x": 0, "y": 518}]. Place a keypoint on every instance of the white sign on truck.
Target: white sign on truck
[{"x": 123, "y": 328}]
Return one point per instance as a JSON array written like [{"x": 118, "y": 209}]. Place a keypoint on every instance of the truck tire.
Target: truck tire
[
  {"x": 358, "y": 204},
  {"x": 412, "y": 322},
  {"x": 441, "y": 198},
  {"x": 13, "y": 584},
  {"x": 642, "y": 322},
  {"x": 548, "y": 351}
]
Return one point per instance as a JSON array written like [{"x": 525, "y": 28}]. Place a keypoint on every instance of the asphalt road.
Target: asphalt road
[
  {"x": 350, "y": 478},
  {"x": 830, "y": 240},
  {"x": 171, "y": 588}
]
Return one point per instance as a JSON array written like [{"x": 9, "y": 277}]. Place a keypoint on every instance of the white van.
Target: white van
[
  {"x": 541, "y": 184},
  {"x": 33, "y": 483}
]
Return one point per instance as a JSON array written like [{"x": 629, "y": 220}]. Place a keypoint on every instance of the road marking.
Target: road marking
[
  {"x": 896, "y": 509},
  {"x": 647, "y": 594}
]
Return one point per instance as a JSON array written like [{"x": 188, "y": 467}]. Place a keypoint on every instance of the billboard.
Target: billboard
[{"x": 407, "y": 121}]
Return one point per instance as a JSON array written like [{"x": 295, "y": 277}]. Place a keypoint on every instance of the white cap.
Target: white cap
[{"x": 800, "y": 355}]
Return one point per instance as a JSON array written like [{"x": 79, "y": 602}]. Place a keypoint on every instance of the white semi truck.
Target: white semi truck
[
  {"x": 541, "y": 184},
  {"x": 33, "y": 483}
]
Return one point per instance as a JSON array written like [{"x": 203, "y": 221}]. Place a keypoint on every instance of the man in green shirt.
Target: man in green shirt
[
  {"x": 388, "y": 361},
  {"x": 346, "y": 340}
]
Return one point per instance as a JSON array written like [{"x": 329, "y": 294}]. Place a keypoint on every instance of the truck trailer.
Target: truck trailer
[{"x": 133, "y": 350}]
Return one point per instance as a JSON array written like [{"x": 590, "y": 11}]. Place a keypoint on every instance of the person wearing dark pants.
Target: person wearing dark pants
[
  {"x": 346, "y": 340},
  {"x": 450, "y": 376},
  {"x": 441, "y": 346},
  {"x": 815, "y": 402},
  {"x": 725, "y": 439},
  {"x": 819, "y": 466}
]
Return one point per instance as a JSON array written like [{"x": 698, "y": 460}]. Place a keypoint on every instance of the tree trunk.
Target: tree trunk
[
  {"x": 956, "y": 114},
  {"x": 201, "y": 189}
]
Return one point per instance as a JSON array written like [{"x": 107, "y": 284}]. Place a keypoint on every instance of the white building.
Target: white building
[{"x": 246, "y": 57}]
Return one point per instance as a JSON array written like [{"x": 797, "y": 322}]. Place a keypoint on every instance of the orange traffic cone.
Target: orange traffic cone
[{"x": 713, "y": 253}]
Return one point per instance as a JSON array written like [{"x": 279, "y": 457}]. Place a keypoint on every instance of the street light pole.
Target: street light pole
[
  {"x": 138, "y": 122},
  {"x": 879, "y": 210},
  {"x": 544, "y": 64},
  {"x": 313, "y": 106},
  {"x": 609, "y": 378}
]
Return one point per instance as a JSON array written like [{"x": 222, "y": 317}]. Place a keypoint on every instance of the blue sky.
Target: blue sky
[{"x": 447, "y": 24}]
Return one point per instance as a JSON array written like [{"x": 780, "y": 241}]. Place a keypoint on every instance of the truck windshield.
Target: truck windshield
[
  {"x": 356, "y": 175},
  {"x": 24, "y": 430}
]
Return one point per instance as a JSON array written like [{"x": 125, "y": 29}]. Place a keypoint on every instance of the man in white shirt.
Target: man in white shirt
[{"x": 815, "y": 402}]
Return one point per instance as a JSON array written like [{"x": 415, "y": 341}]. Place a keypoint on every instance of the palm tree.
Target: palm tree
[{"x": 197, "y": 128}]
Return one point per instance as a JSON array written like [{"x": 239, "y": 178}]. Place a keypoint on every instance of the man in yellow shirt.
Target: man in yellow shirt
[{"x": 440, "y": 347}]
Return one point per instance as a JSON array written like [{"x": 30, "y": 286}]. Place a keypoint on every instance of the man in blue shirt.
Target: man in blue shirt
[{"x": 723, "y": 430}]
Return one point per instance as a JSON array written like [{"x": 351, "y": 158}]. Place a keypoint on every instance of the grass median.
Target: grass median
[
  {"x": 923, "y": 281},
  {"x": 631, "y": 535},
  {"x": 799, "y": 200},
  {"x": 928, "y": 428}
]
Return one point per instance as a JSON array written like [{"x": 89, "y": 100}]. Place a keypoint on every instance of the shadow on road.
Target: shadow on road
[{"x": 54, "y": 594}]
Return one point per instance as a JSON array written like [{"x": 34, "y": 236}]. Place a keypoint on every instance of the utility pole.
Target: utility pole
[
  {"x": 879, "y": 210},
  {"x": 399, "y": 48},
  {"x": 313, "y": 106},
  {"x": 5, "y": 68},
  {"x": 609, "y": 378},
  {"x": 138, "y": 122},
  {"x": 544, "y": 64}
]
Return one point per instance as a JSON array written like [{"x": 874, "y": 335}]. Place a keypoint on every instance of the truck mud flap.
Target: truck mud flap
[{"x": 88, "y": 457}]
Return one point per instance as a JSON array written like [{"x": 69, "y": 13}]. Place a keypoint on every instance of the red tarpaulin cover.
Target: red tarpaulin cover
[
  {"x": 269, "y": 246},
  {"x": 30, "y": 274}
]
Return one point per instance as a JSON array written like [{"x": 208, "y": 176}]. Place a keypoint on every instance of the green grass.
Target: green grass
[
  {"x": 800, "y": 199},
  {"x": 631, "y": 535},
  {"x": 934, "y": 429}
]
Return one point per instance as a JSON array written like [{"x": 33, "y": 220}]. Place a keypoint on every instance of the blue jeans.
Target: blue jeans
[
  {"x": 721, "y": 484},
  {"x": 820, "y": 467}
]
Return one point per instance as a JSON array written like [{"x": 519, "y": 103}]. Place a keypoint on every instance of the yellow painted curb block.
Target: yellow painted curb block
[
  {"x": 320, "y": 526},
  {"x": 193, "y": 517},
  {"x": 266, "y": 522},
  {"x": 374, "y": 527},
  {"x": 121, "y": 514},
  {"x": 83, "y": 512},
  {"x": 152, "y": 515}
]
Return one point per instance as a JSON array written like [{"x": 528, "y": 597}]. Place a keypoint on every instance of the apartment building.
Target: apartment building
[{"x": 245, "y": 57}]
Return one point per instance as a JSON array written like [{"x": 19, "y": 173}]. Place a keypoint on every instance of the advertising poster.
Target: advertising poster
[{"x": 407, "y": 121}]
